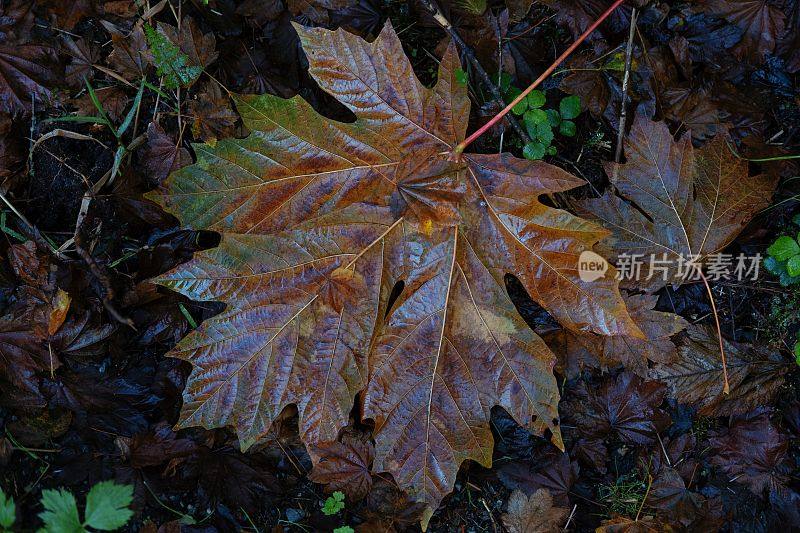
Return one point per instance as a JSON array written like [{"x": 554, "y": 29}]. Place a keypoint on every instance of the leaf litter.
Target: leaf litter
[{"x": 366, "y": 317}]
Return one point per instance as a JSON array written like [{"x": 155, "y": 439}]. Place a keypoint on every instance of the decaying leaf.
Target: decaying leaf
[
  {"x": 534, "y": 514},
  {"x": 59, "y": 308},
  {"x": 557, "y": 477},
  {"x": 695, "y": 378},
  {"x": 753, "y": 451},
  {"x": 681, "y": 507},
  {"x": 163, "y": 154},
  {"x": 578, "y": 350},
  {"x": 324, "y": 223},
  {"x": 627, "y": 407},
  {"x": 25, "y": 74},
  {"x": 578, "y": 15},
  {"x": 212, "y": 115},
  {"x": 344, "y": 465},
  {"x": 676, "y": 203},
  {"x": 623, "y": 524},
  {"x": 517, "y": 9},
  {"x": 114, "y": 101},
  {"x": 762, "y": 23},
  {"x": 130, "y": 56},
  {"x": 199, "y": 47},
  {"x": 84, "y": 54},
  {"x": 316, "y": 11},
  {"x": 26, "y": 326},
  {"x": 68, "y": 14}
]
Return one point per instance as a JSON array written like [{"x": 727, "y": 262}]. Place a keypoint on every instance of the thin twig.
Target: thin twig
[
  {"x": 623, "y": 115},
  {"x": 647, "y": 493},
  {"x": 726, "y": 386},
  {"x": 571, "y": 515},
  {"x": 442, "y": 21}
]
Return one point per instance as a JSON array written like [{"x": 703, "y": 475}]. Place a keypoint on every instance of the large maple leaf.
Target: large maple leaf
[
  {"x": 676, "y": 203},
  {"x": 323, "y": 222}
]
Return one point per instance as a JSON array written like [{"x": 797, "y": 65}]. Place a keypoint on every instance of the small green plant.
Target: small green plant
[
  {"x": 624, "y": 496},
  {"x": 344, "y": 529},
  {"x": 540, "y": 122},
  {"x": 106, "y": 509},
  {"x": 783, "y": 258},
  {"x": 473, "y": 7},
  {"x": 334, "y": 504},
  {"x": 170, "y": 61},
  {"x": 8, "y": 512},
  {"x": 796, "y": 350}
]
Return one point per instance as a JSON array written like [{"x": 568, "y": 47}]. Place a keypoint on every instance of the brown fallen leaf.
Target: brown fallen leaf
[
  {"x": 623, "y": 524},
  {"x": 113, "y": 99},
  {"x": 199, "y": 47},
  {"x": 11, "y": 151},
  {"x": 84, "y": 54},
  {"x": 578, "y": 15},
  {"x": 763, "y": 24},
  {"x": 534, "y": 514},
  {"x": 27, "y": 71},
  {"x": 68, "y": 14},
  {"x": 675, "y": 202},
  {"x": 323, "y": 222},
  {"x": 518, "y": 9},
  {"x": 162, "y": 154},
  {"x": 317, "y": 11},
  {"x": 557, "y": 477},
  {"x": 24, "y": 350},
  {"x": 626, "y": 407},
  {"x": 131, "y": 55},
  {"x": 695, "y": 378},
  {"x": 680, "y": 507},
  {"x": 58, "y": 311},
  {"x": 753, "y": 451},
  {"x": 578, "y": 350},
  {"x": 344, "y": 465},
  {"x": 212, "y": 115}
]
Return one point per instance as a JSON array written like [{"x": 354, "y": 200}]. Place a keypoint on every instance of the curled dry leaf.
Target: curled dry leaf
[
  {"x": 534, "y": 514},
  {"x": 695, "y": 378},
  {"x": 578, "y": 350},
  {"x": 322, "y": 220},
  {"x": 675, "y": 201}
]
